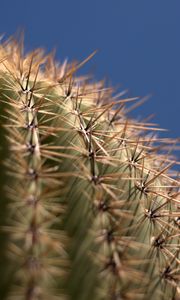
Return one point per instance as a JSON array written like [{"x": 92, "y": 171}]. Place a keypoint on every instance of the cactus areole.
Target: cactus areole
[{"x": 89, "y": 200}]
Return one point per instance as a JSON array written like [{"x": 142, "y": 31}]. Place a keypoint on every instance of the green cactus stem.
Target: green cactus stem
[{"x": 90, "y": 200}]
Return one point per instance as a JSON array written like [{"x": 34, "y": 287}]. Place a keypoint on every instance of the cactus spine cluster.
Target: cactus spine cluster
[{"x": 90, "y": 208}]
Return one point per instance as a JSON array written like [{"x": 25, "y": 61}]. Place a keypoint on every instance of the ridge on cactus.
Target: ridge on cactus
[{"x": 89, "y": 202}]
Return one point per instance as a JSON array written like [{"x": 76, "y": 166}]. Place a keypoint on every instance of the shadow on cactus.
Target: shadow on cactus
[{"x": 89, "y": 201}]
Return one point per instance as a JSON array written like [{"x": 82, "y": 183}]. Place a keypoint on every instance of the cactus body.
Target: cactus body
[{"x": 91, "y": 210}]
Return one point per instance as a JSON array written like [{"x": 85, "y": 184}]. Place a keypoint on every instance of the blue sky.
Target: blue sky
[{"x": 138, "y": 43}]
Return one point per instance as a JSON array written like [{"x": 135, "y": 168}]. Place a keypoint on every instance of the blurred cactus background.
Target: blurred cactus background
[{"x": 89, "y": 189}]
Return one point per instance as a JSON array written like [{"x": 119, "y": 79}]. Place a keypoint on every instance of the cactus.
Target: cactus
[{"x": 89, "y": 205}]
